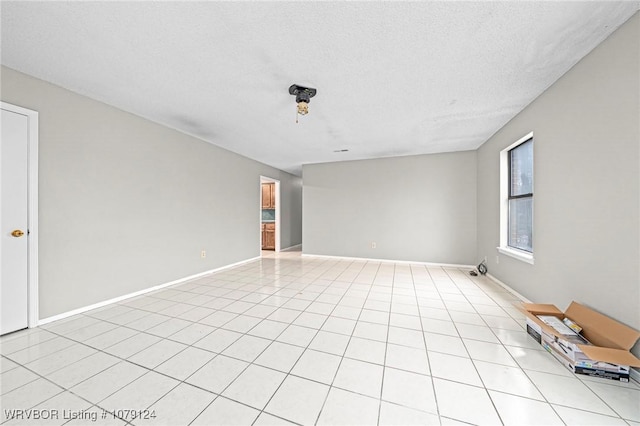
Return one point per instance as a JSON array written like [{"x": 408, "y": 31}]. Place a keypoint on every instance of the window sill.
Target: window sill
[{"x": 517, "y": 254}]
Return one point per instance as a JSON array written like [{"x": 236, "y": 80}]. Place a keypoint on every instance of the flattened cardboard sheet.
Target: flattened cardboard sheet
[
  {"x": 601, "y": 330},
  {"x": 616, "y": 356}
]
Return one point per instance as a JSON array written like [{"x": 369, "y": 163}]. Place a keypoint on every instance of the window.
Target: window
[
  {"x": 516, "y": 193},
  {"x": 521, "y": 197}
]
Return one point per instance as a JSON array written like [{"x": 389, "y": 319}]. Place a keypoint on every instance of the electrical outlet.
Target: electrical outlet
[
  {"x": 373, "y": 245},
  {"x": 497, "y": 259},
  {"x": 203, "y": 254}
]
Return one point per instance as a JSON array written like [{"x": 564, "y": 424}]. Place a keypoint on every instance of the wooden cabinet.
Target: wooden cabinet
[
  {"x": 268, "y": 195},
  {"x": 268, "y": 236},
  {"x": 268, "y": 228}
]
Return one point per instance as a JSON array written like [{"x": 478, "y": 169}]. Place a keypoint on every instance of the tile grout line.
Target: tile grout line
[
  {"x": 424, "y": 338},
  {"x": 288, "y": 373},
  {"x": 214, "y": 357},
  {"x": 331, "y": 385},
  {"x": 386, "y": 346},
  {"x": 520, "y": 368},
  {"x": 252, "y": 363},
  {"x": 121, "y": 359},
  {"x": 486, "y": 390},
  {"x": 245, "y": 283},
  {"x": 551, "y": 405},
  {"x": 245, "y": 369}
]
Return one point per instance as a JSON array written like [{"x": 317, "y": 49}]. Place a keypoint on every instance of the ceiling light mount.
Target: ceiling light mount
[{"x": 303, "y": 97}]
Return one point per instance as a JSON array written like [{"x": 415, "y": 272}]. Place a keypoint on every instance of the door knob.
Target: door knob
[{"x": 17, "y": 233}]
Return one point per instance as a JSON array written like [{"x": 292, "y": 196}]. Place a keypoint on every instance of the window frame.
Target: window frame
[{"x": 506, "y": 196}]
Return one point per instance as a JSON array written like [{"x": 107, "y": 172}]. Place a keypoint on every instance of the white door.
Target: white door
[{"x": 13, "y": 215}]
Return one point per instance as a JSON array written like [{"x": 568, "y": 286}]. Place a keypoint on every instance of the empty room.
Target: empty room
[{"x": 320, "y": 213}]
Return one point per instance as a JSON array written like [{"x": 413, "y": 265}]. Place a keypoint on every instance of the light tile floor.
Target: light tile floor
[{"x": 290, "y": 339}]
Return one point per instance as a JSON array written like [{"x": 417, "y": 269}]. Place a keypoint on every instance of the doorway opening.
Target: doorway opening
[
  {"x": 19, "y": 217},
  {"x": 269, "y": 215}
]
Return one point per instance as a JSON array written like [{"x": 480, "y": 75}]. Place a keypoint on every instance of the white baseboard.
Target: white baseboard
[
  {"x": 290, "y": 248},
  {"x": 508, "y": 288},
  {"x": 409, "y": 262},
  {"x": 140, "y": 292}
]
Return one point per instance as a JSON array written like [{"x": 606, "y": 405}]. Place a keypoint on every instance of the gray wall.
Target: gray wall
[
  {"x": 126, "y": 204},
  {"x": 587, "y": 185},
  {"x": 418, "y": 208}
]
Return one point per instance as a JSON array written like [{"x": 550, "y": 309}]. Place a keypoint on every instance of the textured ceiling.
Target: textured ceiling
[{"x": 393, "y": 78}]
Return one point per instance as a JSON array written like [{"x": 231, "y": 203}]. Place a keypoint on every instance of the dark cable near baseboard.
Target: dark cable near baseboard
[{"x": 481, "y": 269}]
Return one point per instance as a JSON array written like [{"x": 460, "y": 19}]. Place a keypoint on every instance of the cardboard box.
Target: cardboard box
[
  {"x": 604, "y": 354},
  {"x": 604, "y": 370}
]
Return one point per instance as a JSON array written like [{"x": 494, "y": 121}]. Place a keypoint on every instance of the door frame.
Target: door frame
[
  {"x": 266, "y": 179},
  {"x": 32, "y": 210}
]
